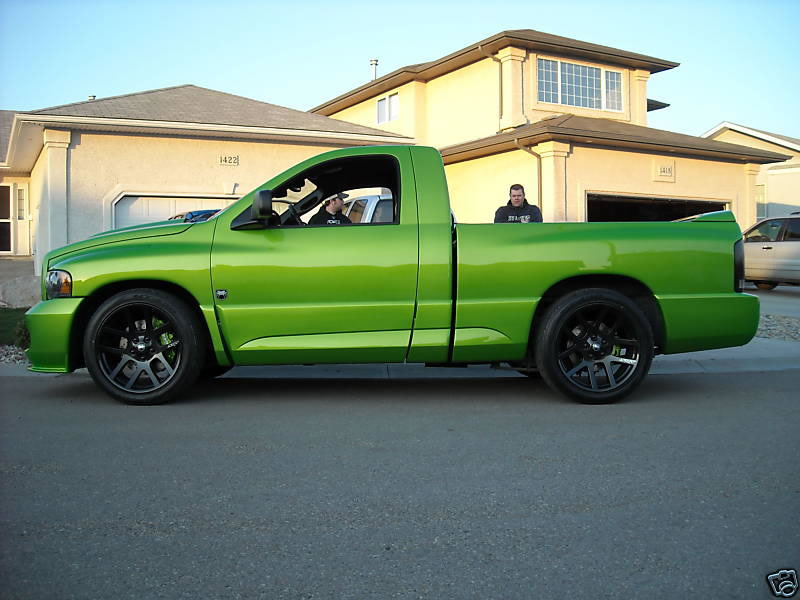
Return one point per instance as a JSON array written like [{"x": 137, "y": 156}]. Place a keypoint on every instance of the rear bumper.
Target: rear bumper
[
  {"x": 705, "y": 322},
  {"x": 50, "y": 325}
]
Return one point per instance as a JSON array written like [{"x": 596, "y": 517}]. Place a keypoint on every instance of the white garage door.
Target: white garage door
[{"x": 140, "y": 210}]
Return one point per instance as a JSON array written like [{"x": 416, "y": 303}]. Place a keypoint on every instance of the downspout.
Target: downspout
[
  {"x": 538, "y": 170},
  {"x": 499, "y": 81}
]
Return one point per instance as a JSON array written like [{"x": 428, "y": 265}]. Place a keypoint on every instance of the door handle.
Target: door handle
[{"x": 766, "y": 247}]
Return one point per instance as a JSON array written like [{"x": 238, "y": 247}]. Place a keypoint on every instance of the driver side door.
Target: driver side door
[{"x": 319, "y": 294}]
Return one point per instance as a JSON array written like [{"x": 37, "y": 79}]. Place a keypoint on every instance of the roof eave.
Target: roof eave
[
  {"x": 23, "y": 164},
  {"x": 508, "y": 142},
  {"x": 474, "y": 53},
  {"x": 753, "y": 133}
]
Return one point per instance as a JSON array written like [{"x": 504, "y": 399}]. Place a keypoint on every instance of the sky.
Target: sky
[{"x": 739, "y": 60}]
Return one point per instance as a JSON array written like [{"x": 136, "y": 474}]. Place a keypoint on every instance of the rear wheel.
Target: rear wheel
[
  {"x": 143, "y": 346},
  {"x": 594, "y": 345},
  {"x": 766, "y": 285}
]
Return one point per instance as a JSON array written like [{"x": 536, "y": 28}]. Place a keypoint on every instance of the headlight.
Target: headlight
[{"x": 58, "y": 284}]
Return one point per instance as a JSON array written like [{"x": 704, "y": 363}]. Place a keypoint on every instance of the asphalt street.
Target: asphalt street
[{"x": 404, "y": 488}]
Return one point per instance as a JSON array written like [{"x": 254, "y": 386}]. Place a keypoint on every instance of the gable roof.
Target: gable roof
[
  {"x": 775, "y": 138},
  {"x": 522, "y": 38},
  {"x": 606, "y": 132},
  {"x": 194, "y": 104}
]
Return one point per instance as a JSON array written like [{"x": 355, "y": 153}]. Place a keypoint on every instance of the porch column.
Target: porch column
[
  {"x": 511, "y": 60},
  {"x": 53, "y": 223},
  {"x": 745, "y": 206},
  {"x": 638, "y": 97},
  {"x": 554, "y": 180}
]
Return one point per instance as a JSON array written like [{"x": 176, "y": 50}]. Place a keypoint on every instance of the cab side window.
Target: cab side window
[
  {"x": 792, "y": 233},
  {"x": 765, "y": 232}
]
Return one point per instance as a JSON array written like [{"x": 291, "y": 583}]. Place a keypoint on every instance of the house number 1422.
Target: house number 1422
[{"x": 231, "y": 161}]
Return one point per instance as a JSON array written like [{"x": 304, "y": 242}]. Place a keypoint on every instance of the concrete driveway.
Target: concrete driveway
[{"x": 784, "y": 300}]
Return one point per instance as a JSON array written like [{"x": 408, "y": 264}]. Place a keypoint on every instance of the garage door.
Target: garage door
[
  {"x": 602, "y": 207},
  {"x": 140, "y": 210}
]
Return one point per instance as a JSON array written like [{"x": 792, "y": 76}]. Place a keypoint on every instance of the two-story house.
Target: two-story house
[{"x": 565, "y": 118}]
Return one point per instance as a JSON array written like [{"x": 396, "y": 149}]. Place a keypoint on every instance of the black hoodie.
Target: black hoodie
[
  {"x": 323, "y": 217},
  {"x": 527, "y": 213}
]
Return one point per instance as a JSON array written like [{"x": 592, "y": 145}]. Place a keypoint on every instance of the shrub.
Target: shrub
[{"x": 22, "y": 337}]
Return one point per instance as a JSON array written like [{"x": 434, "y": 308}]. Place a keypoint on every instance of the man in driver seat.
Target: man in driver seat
[{"x": 330, "y": 213}]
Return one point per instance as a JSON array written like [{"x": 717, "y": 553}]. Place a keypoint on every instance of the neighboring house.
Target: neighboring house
[
  {"x": 568, "y": 120},
  {"x": 777, "y": 185},
  {"x": 74, "y": 170}
]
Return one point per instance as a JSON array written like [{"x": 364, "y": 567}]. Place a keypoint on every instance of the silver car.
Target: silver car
[{"x": 772, "y": 252}]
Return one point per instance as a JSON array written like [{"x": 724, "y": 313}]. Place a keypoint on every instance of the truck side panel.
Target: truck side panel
[{"x": 504, "y": 270}]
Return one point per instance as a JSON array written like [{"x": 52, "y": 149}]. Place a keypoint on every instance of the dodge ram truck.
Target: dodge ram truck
[{"x": 150, "y": 310}]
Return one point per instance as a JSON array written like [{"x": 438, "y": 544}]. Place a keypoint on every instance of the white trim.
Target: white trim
[
  {"x": 206, "y": 127},
  {"x": 179, "y": 127},
  {"x": 603, "y": 70},
  {"x": 753, "y": 133},
  {"x": 115, "y": 194}
]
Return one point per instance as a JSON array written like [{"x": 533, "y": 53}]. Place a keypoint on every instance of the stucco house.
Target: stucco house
[
  {"x": 777, "y": 184},
  {"x": 568, "y": 120},
  {"x": 74, "y": 170}
]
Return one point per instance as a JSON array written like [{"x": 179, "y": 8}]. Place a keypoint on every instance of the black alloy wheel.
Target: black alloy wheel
[
  {"x": 142, "y": 346},
  {"x": 594, "y": 345}
]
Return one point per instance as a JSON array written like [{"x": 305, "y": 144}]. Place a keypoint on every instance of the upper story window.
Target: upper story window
[
  {"x": 561, "y": 82},
  {"x": 388, "y": 108}
]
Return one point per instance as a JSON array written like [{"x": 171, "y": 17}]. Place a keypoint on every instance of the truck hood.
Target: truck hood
[{"x": 125, "y": 234}]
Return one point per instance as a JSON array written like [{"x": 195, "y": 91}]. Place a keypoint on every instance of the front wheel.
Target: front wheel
[
  {"x": 766, "y": 285},
  {"x": 594, "y": 345},
  {"x": 143, "y": 346}
]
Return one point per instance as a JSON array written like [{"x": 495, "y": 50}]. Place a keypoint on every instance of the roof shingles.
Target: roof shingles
[{"x": 193, "y": 104}]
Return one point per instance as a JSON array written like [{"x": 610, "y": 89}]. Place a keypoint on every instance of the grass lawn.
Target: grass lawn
[{"x": 9, "y": 317}]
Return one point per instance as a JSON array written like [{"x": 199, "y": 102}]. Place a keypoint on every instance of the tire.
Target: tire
[
  {"x": 594, "y": 345},
  {"x": 765, "y": 285},
  {"x": 159, "y": 361}
]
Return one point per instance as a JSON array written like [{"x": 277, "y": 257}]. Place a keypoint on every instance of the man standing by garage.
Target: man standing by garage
[{"x": 518, "y": 210}]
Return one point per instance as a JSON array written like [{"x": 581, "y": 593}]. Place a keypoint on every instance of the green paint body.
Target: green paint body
[{"x": 384, "y": 293}]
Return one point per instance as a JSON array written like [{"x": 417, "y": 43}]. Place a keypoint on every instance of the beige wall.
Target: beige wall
[
  {"x": 479, "y": 187},
  {"x": 781, "y": 181},
  {"x": 488, "y": 96},
  {"x": 463, "y": 105},
  {"x": 607, "y": 171},
  {"x": 104, "y": 167},
  {"x": 411, "y": 114}
]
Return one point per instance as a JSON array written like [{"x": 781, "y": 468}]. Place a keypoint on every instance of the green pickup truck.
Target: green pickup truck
[{"x": 150, "y": 310}]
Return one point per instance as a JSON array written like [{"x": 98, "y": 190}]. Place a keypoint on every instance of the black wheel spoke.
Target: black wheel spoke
[{"x": 112, "y": 350}]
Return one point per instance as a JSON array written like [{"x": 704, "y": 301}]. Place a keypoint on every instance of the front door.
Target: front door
[
  {"x": 5, "y": 219},
  {"x": 304, "y": 293}
]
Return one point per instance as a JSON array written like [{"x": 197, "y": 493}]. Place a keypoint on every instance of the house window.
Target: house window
[
  {"x": 20, "y": 204},
  {"x": 388, "y": 108},
  {"x": 560, "y": 82}
]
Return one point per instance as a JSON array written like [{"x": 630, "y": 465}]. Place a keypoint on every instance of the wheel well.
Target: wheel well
[
  {"x": 92, "y": 303},
  {"x": 628, "y": 286}
]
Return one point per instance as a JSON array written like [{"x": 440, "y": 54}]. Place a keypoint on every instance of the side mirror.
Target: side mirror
[{"x": 262, "y": 206}]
